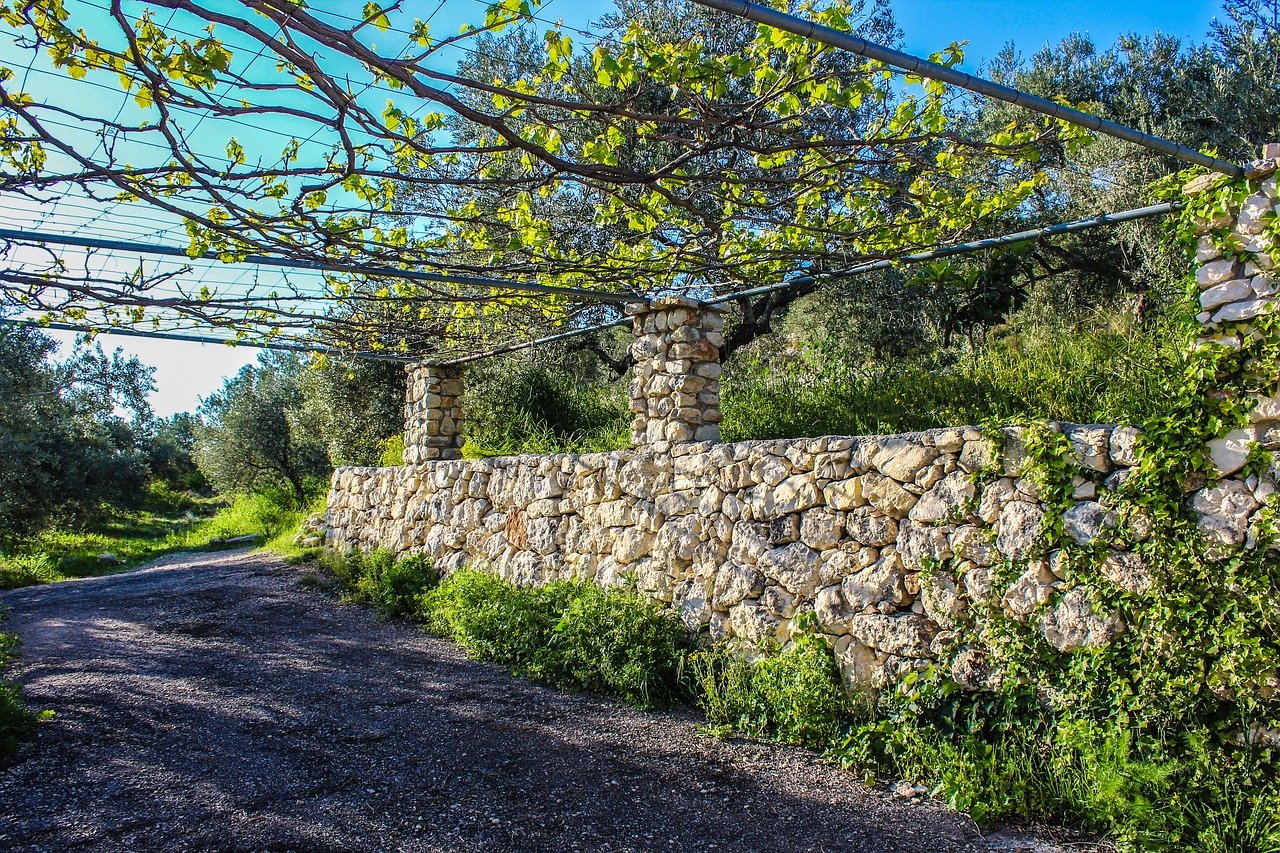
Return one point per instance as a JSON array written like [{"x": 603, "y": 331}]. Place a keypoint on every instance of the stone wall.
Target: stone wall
[
  {"x": 886, "y": 540},
  {"x": 739, "y": 538}
]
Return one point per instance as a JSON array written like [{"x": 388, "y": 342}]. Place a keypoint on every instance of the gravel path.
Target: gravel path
[{"x": 209, "y": 702}]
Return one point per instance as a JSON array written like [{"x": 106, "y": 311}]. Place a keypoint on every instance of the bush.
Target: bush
[
  {"x": 568, "y": 634},
  {"x": 392, "y": 586},
  {"x": 794, "y": 696},
  {"x": 492, "y": 619}
]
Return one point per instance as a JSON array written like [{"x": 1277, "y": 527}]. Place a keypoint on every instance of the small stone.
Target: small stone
[
  {"x": 1231, "y": 451},
  {"x": 1223, "y": 512},
  {"x": 1124, "y": 445},
  {"x": 1214, "y": 272},
  {"x": 902, "y": 460},
  {"x": 1228, "y": 291},
  {"x": 1245, "y": 310},
  {"x": 1127, "y": 571},
  {"x": 1086, "y": 522}
]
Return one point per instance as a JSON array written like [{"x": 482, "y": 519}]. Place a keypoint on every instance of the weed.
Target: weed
[
  {"x": 392, "y": 586},
  {"x": 793, "y": 696}
]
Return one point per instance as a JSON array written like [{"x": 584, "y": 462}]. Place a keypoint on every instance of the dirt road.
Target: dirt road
[{"x": 209, "y": 702}]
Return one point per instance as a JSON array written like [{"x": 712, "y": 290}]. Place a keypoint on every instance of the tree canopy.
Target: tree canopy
[{"x": 668, "y": 150}]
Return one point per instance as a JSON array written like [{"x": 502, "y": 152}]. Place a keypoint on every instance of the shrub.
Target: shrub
[
  {"x": 392, "y": 586},
  {"x": 794, "y": 696},
  {"x": 492, "y": 619},
  {"x": 567, "y": 634},
  {"x": 619, "y": 642}
]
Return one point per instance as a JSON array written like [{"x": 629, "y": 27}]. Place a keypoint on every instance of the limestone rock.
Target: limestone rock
[
  {"x": 1087, "y": 521},
  {"x": 1018, "y": 528},
  {"x": 821, "y": 529},
  {"x": 753, "y": 623},
  {"x": 907, "y": 636},
  {"x": 845, "y": 494},
  {"x": 1223, "y": 515},
  {"x": 1072, "y": 624},
  {"x": 945, "y": 499},
  {"x": 795, "y": 567},
  {"x": 918, "y": 543},
  {"x": 887, "y": 496},
  {"x": 1124, "y": 445},
  {"x": 1091, "y": 446},
  {"x": 994, "y": 498},
  {"x": 941, "y": 598},
  {"x": 902, "y": 460},
  {"x": 867, "y": 528},
  {"x": 1127, "y": 571},
  {"x": 795, "y": 494},
  {"x": 880, "y": 582},
  {"x": 735, "y": 582},
  {"x": 830, "y": 611},
  {"x": 973, "y": 544},
  {"x": 1030, "y": 591},
  {"x": 1231, "y": 451}
]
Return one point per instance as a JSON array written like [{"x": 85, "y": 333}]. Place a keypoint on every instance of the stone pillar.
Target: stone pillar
[
  {"x": 433, "y": 413},
  {"x": 675, "y": 394},
  {"x": 1238, "y": 283}
]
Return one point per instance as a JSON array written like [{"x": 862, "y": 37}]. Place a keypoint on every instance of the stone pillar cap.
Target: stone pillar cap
[{"x": 663, "y": 303}]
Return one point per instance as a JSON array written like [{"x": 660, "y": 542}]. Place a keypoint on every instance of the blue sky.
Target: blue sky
[{"x": 187, "y": 372}]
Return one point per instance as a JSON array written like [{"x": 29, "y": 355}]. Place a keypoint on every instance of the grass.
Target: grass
[
  {"x": 169, "y": 524},
  {"x": 1103, "y": 375}
]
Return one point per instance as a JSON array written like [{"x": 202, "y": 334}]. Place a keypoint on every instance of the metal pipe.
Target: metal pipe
[
  {"x": 962, "y": 248},
  {"x": 467, "y": 359},
  {"x": 203, "y": 339},
  {"x": 292, "y": 263},
  {"x": 917, "y": 257},
  {"x": 925, "y": 68}
]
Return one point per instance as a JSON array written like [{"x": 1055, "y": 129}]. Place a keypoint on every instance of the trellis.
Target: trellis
[{"x": 448, "y": 286}]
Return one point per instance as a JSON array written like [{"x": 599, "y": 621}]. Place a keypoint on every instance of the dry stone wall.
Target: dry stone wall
[
  {"x": 741, "y": 538},
  {"x": 887, "y": 541}
]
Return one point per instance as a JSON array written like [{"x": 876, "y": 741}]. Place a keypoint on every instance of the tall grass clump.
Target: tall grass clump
[
  {"x": 21, "y": 570},
  {"x": 1080, "y": 374},
  {"x": 544, "y": 409}
]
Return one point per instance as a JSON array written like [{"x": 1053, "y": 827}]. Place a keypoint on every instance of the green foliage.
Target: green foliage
[
  {"x": 540, "y": 408},
  {"x": 1108, "y": 373},
  {"x": 793, "y": 696},
  {"x": 27, "y": 570},
  {"x": 256, "y": 432},
  {"x": 391, "y": 451},
  {"x": 392, "y": 586},
  {"x": 66, "y": 453},
  {"x": 16, "y": 720},
  {"x": 567, "y": 634},
  {"x": 616, "y": 641}
]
